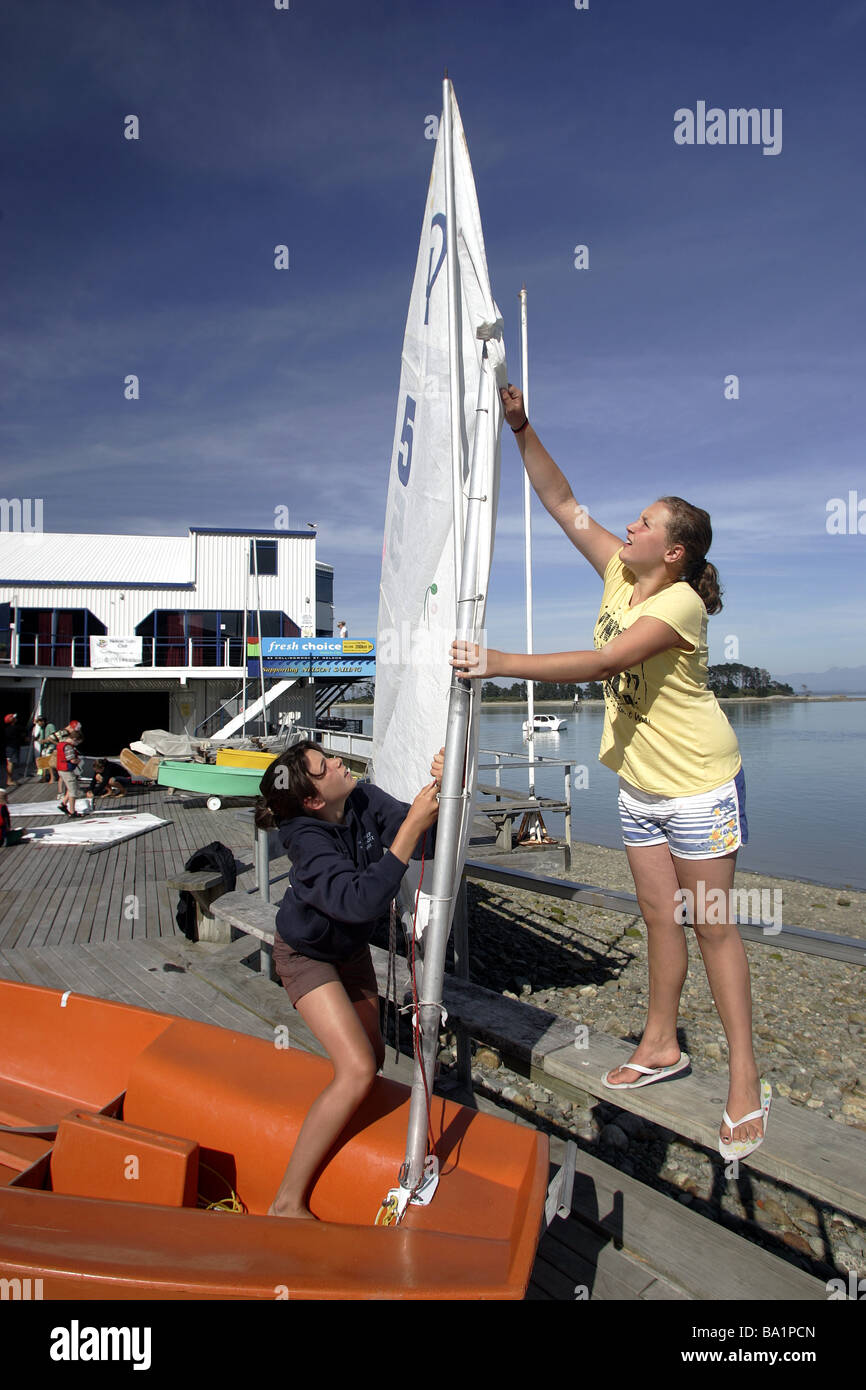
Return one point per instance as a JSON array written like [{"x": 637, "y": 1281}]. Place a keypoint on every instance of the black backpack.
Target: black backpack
[{"x": 214, "y": 856}]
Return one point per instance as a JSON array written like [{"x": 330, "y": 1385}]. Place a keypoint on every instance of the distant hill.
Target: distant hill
[{"x": 839, "y": 680}]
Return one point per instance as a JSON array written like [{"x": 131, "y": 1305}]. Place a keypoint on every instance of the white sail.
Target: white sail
[{"x": 423, "y": 552}]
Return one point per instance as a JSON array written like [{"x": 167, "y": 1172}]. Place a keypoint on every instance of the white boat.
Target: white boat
[{"x": 545, "y": 724}]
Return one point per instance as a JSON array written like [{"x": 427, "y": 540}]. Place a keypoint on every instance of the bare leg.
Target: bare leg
[
  {"x": 728, "y": 974},
  {"x": 656, "y": 883},
  {"x": 345, "y": 1031}
]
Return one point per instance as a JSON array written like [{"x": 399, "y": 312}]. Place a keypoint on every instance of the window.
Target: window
[
  {"x": 324, "y": 586},
  {"x": 265, "y": 557}
]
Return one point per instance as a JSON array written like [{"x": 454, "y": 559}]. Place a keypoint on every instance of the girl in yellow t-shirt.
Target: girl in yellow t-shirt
[{"x": 682, "y": 793}]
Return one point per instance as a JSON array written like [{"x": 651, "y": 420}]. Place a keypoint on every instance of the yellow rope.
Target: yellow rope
[{"x": 232, "y": 1203}]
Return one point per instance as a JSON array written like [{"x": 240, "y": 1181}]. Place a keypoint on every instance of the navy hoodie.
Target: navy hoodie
[{"x": 342, "y": 877}]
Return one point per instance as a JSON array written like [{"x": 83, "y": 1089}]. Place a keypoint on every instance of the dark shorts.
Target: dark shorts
[{"x": 301, "y": 974}]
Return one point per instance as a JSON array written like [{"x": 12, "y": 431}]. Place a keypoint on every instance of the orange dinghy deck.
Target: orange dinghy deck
[{"x": 153, "y": 1111}]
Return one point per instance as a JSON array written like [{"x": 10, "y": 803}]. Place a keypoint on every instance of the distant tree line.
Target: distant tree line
[{"x": 731, "y": 678}]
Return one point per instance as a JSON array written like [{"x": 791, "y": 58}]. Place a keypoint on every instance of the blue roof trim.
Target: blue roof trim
[{"x": 259, "y": 535}]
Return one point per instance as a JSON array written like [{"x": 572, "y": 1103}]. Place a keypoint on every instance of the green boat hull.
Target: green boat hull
[{"x": 210, "y": 779}]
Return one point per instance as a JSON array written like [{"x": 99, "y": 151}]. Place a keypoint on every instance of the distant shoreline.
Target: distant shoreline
[{"x": 722, "y": 699}]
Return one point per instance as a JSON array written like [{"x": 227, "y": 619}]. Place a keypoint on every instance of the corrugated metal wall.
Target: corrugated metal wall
[{"x": 222, "y": 580}]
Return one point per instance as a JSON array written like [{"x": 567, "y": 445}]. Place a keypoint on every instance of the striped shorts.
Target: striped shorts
[{"x": 693, "y": 827}]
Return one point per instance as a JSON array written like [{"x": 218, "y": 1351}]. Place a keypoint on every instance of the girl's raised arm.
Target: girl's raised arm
[{"x": 554, "y": 490}]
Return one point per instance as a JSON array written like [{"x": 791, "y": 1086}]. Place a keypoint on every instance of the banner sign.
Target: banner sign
[
  {"x": 315, "y": 656},
  {"x": 115, "y": 651}
]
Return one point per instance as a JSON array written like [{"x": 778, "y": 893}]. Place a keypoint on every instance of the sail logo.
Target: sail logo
[
  {"x": 407, "y": 436},
  {"x": 736, "y": 126},
  {"x": 432, "y": 271}
]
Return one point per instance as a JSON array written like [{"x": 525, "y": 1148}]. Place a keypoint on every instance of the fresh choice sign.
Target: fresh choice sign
[{"x": 316, "y": 656}]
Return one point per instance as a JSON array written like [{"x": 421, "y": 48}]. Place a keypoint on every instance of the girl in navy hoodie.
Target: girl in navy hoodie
[{"x": 350, "y": 845}]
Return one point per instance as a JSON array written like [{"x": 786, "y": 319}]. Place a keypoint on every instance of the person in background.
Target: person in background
[
  {"x": 342, "y": 630},
  {"x": 48, "y": 746},
  {"x": 5, "y": 818},
  {"x": 11, "y": 751},
  {"x": 108, "y": 780},
  {"x": 68, "y": 766}
]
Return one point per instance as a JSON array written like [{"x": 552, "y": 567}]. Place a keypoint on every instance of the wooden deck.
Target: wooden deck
[{"x": 103, "y": 924}]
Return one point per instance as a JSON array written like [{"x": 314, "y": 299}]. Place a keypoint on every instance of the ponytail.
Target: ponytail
[{"x": 690, "y": 527}]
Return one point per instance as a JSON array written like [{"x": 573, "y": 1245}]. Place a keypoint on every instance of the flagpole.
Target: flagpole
[{"x": 527, "y": 534}]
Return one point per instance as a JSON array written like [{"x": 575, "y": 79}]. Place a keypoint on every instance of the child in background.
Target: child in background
[
  {"x": 107, "y": 781},
  {"x": 68, "y": 768}
]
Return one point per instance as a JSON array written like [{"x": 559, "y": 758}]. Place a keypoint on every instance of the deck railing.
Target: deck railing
[{"x": 156, "y": 652}]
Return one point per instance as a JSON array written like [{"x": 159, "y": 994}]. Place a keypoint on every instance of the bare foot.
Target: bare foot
[
  {"x": 743, "y": 1098},
  {"x": 292, "y": 1213},
  {"x": 646, "y": 1057}
]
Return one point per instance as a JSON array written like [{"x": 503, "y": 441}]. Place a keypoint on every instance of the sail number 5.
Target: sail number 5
[{"x": 404, "y": 452}]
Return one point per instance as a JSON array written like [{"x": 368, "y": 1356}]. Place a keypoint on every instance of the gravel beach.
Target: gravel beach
[{"x": 809, "y": 1030}]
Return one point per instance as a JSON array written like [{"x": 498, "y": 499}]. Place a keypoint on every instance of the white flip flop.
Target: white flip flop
[
  {"x": 741, "y": 1148},
  {"x": 651, "y": 1074}
]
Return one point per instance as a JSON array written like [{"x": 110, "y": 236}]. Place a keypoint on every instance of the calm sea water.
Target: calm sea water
[{"x": 804, "y": 766}]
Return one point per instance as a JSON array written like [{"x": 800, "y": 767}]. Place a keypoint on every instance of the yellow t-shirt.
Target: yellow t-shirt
[{"x": 664, "y": 731}]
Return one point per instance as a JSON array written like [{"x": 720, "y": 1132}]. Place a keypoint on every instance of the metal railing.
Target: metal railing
[{"x": 156, "y": 652}]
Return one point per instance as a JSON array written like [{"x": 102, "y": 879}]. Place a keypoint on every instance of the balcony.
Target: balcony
[{"x": 193, "y": 655}]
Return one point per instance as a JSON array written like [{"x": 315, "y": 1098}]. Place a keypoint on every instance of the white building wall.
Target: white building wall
[{"x": 218, "y": 566}]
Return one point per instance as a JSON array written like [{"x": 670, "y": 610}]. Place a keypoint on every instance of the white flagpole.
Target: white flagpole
[{"x": 527, "y": 532}]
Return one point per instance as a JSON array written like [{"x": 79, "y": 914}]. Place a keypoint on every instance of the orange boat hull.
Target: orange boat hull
[{"x": 105, "y": 1211}]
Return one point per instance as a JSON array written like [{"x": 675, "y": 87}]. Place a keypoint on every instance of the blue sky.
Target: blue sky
[{"x": 307, "y": 127}]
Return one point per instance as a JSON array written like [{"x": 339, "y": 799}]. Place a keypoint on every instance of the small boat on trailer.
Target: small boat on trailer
[
  {"x": 124, "y": 1131},
  {"x": 213, "y": 780}
]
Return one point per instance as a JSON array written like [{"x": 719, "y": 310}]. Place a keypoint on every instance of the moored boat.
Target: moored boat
[
  {"x": 545, "y": 723},
  {"x": 136, "y": 1117}
]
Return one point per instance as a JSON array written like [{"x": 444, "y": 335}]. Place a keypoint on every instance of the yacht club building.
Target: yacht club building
[{"x": 142, "y": 632}]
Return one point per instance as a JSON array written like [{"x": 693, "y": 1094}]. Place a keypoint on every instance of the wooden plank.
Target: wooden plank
[
  {"x": 51, "y": 900},
  {"x": 42, "y": 867},
  {"x": 695, "y": 1254},
  {"x": 11, "y": 967},
  {"x": 114, "y": 909},
  {"x": 127, "y": 921},
  {"x": 98, "y": 869},
  {"x": 99, "y": 923},
  {"x": 141, "y": 967},
  {"x": 805, "y": 1150}
]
